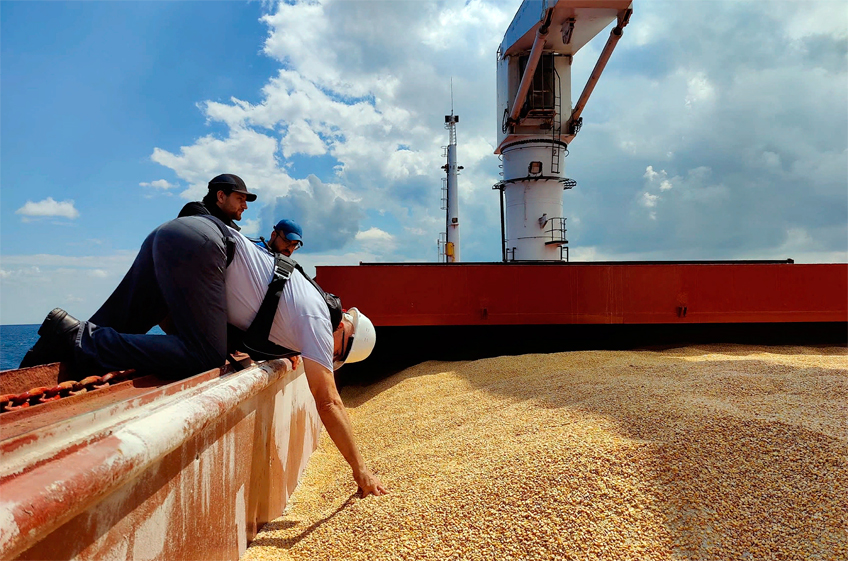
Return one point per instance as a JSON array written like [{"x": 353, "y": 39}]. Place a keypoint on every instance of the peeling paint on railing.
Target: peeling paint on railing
[{"x": 218, "y": 459}]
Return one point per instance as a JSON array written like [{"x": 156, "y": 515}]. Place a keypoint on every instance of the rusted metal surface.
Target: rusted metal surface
[
  {"x": 39, "y": 395},
  {"x": 588, "y": 293},
  {"x": 89, "y": 394},
  {"x": 22, "y": 379},
  {"x": 186, "y": 470}
]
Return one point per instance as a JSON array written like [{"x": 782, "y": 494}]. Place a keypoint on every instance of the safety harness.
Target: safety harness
[{"x": 255, "y": 341}]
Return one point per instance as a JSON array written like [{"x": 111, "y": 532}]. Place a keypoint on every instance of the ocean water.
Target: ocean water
[{"x": 15, "y": 341}]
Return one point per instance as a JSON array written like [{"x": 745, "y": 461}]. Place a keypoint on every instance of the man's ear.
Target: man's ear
[
  {"x": 338, "y": 340},
  {"x": 222, "y": 196}
]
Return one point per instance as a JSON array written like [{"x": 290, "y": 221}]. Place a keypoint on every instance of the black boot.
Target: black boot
[{"x": 56, "y": 344}]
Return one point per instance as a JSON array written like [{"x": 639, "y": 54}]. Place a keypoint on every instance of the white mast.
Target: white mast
[
  {"x": 450, "y": 198},
  {"x": 452, "y": 215}
]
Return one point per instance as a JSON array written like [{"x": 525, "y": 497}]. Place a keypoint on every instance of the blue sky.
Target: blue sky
[
  {"x": 89, "y": 88},
  {"x": 718, "y": 131}
]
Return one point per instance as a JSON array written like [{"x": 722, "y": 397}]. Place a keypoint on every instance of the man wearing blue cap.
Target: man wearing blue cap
[{"x": 286, "y": 238}]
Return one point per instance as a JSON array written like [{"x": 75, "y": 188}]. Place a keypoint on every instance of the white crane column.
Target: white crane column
[
  {"x": 531, "y": 203},
  {"x": 536, "y": 120}
]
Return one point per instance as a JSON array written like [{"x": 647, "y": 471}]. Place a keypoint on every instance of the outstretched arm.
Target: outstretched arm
[{"x": 332, "y": 411}]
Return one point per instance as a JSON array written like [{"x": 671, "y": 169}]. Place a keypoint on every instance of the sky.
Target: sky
[{"x": 719, "y": 130}]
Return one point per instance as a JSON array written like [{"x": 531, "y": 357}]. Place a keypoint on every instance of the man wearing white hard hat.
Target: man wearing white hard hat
[
  {"x": 358, "y": 338},
  {"x": 302, "y": 323}
]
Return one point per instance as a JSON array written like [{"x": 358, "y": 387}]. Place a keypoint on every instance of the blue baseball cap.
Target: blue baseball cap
[{"x": 290, "y": 229}]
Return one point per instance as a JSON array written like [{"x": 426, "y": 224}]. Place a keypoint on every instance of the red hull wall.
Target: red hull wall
[{"x": 623, "y": 293}]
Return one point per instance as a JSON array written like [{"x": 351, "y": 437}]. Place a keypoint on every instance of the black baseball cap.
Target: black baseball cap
[{"x": 231, "y": 183}]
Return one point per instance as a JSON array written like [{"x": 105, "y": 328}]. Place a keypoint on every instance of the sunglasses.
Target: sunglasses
[
  {"x": 345, "y": 350},
  {"x": 283, "y": 237}
]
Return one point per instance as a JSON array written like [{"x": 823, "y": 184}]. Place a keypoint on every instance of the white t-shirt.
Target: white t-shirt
[{"x": 302, "y": 321}]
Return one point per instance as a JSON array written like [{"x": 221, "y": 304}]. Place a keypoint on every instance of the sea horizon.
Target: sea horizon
[
  {"x": 15, "y": 341},
  {"x": 17, "y": 338}
]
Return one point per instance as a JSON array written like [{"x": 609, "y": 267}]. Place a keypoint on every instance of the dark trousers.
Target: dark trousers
[{"x": 178, "y": 271}]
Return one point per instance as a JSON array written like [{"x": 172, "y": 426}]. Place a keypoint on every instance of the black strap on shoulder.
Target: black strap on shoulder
[
  {"x": 256, "y": 341},
  {"x": 229, "y": 242}
]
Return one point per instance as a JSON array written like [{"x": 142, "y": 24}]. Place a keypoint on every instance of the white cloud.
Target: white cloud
[
  {"x": 646, "y": 29},
  {"x": 159, "y": 184},
  {"x": 770, "y": 159},
  {"x": 652, "y": 176},
  {"x": 374, "y": 236},
  {"x": 699, "y": 89},
  {"x": 816, "y": 18},
  {"x": 249, "y": 154},
  {"x": 36, "y": 262},
  {"x": 658, "y": 179},
  {"x": 252, "y": 228},
  {"x": 649, "y": 200},
  {"x": 301, "y": 139},
  {"x": 802, "y": 246},
  {"x": 49, "y": 208},
  {"x": 378, "y": 242}
]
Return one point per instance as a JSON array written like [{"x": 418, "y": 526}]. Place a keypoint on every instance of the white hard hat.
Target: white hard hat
[{"x": 361, "y": 341}]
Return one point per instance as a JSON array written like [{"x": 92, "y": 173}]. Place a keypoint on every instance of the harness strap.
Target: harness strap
[
  {"x": 256, "y": 341},
  {"x": 229, "y": 242}
]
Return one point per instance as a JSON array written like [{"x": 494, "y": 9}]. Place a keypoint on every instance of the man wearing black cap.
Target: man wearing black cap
[{"x": 226, "y": 200}]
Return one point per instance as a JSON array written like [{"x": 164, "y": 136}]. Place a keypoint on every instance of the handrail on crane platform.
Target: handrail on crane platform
[{"x": 530, "y": 69}]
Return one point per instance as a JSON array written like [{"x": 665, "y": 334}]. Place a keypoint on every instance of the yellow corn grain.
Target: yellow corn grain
[{"x": 713, "y": 452}]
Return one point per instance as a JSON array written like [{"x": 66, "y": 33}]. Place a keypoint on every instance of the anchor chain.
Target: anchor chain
[{"x": 44, "y": 394}]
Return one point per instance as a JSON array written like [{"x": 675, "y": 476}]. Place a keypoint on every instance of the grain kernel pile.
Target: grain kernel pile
[{"x": 713, "y": 452}]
